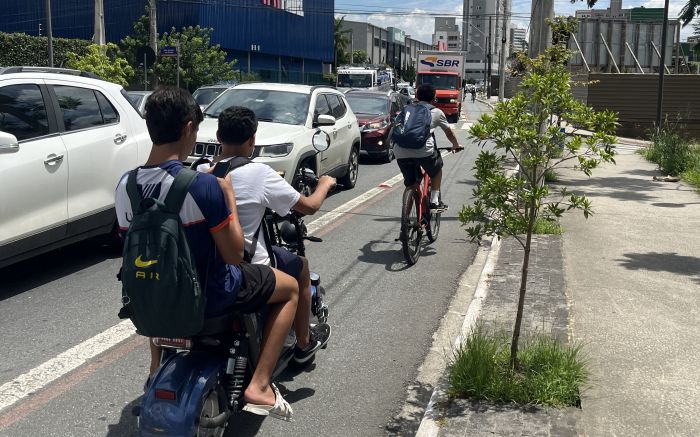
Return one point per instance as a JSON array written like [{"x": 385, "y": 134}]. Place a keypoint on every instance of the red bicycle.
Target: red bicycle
[{"x": 417, "y": 218}]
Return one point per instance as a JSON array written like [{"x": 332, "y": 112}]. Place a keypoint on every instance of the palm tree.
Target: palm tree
[
  {"x": 340, "y": 39},
  {"x": 689, "y": 11}
]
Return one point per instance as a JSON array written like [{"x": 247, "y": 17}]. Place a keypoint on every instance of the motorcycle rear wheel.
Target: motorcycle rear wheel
[{"x": 213, "y": 404}]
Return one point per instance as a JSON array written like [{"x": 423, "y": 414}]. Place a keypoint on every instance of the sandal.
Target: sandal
[{"x": 281, "y": 410}]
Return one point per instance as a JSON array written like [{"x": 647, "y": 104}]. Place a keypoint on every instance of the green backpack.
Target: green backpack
[{"x": 161, "y": 293}]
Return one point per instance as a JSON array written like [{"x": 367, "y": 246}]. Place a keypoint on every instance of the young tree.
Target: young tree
[
  {"x": 340, "y": 42},
  {"x": 359, "y": 56},
  {"x": 526, "y": 130},
  {"x": 200, "y": 62},
  {"x": 105, "y": 62}
]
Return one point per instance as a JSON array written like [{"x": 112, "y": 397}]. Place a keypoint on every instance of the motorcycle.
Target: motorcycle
[{"x": 200, "y": 383}]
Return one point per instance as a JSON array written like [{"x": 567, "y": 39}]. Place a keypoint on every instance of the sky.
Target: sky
[{"x": 416, "y": 18}]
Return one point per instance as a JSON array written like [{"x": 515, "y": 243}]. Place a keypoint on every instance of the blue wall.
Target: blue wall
[{"x": 237, "y": 24}]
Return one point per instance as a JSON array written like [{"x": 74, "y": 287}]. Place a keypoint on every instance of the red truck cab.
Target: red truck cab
[{"x": 448, "y": 91}]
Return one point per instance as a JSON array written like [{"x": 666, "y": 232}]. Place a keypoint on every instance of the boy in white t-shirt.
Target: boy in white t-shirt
[{"x": 258, "y": 187}]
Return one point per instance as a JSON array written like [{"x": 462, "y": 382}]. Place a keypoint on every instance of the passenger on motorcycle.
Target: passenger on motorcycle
[
  {"x": 258, "y": 187},
  {"x": 215, "y": 238}
]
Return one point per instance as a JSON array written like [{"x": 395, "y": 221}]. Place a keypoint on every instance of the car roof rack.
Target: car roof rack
[{"x": 9, "y": 70}]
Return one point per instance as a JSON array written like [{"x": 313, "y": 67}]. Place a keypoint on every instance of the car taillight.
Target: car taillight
[{"x": 168, "y": 395}]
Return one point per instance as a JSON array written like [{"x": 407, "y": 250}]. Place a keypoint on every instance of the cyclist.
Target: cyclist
[
  {"x": 259, "y": 187},
  {"x": 215, "y": 239},
  {"x": 428, "y": 156}
]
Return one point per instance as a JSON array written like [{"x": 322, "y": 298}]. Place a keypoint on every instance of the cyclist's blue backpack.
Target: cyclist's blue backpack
[{"x": 413, "y": 126}]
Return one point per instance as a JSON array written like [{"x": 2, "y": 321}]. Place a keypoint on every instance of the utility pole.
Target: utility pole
[
  {"x": 99, "y": 36},
  {"x": 540, "y": 33},
  {"x": 662, "y": 64},
  {"x": 49, "y": 31},
  {"x": 502, "y": 57},
  {"x": 488, "y": 82},
  {"x": 153, "y": 25}
]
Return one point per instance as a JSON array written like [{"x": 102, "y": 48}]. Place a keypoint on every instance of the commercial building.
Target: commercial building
[
  {"x": 614, "y": 11},
  {"x": 481, "y": 34},
  {"x": 447, "y": 34},
  {"x": 279, "y": 40},
  {"x": 518, "y": 39},
  {"x": 384, "y": 46}
]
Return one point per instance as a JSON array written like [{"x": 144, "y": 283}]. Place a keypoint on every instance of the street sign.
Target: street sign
[
  {"x": 146, "y": 53},
  {"x": 168, "y": 51}
]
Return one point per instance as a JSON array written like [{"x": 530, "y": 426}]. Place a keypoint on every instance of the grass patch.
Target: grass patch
[
  {"x": 547, "y": 227},
  {"x": 551, "y": 176},
  {"x": 549, "y": 374}
]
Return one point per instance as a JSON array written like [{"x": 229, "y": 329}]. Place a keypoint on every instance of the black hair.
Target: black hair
[
  {"x": 425, "y": 93},
  {"x": 237, "y": 125},
  {"x": 168, "y": 110}
]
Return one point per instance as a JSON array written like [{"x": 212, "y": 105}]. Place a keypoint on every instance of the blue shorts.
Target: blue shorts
[{"x": 287, "y": 262}]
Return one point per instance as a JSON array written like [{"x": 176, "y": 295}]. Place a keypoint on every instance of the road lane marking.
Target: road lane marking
[
  {"x": 42, "y": 375},
  {"x": 53, "y": 369}
]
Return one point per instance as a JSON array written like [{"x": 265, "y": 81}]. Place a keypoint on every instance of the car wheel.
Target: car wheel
[
  {"x": 299, "y": 184},
  {"x": 350, "y": 178},
  {"x": 389, "y": 152}
]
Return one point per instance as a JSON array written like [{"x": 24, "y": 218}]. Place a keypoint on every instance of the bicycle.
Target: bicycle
[{"x": 417, "y": 217}]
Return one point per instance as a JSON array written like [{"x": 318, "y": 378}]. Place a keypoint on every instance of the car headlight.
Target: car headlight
[
  {"x": 376, "y": 125},
  {"x": 276, "y": 150},
  {"x": 453, "y": 100}
]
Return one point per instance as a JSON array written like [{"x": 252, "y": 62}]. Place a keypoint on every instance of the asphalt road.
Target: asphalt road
[{"x": 383, "y": 316}]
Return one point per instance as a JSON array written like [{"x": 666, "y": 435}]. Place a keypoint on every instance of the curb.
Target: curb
[
  {"x": 485, "y": 102},
  {"x": 429, "y": 426}
]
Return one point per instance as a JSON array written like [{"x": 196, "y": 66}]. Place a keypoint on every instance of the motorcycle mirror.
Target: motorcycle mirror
[{"x": 321, "y": 140}]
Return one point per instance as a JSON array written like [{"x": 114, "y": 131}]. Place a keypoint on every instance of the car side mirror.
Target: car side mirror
[
  {"x": 8, "y": 143},
  {"x": 325, "y": 120},
  {"x": 321, "y": 140}
]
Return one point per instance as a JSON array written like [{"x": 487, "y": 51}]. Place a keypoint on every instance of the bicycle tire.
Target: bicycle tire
[
  {"x": 411, "y": 231},
  {"x": 433, "y": 227}
]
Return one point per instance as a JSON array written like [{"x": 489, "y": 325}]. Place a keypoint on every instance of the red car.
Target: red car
[{"x": 376, "y": 113}]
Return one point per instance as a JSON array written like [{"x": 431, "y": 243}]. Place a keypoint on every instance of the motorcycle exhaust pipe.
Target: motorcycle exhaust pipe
[{"x": 216, "y": 421}]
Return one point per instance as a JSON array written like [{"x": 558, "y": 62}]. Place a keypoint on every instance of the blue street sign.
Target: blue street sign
[{"x": 168, "y": 51}]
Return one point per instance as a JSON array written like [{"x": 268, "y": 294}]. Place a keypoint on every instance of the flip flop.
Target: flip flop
[{"x": 281, "y": 410}]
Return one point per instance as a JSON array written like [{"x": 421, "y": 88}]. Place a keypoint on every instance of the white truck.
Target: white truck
[{"x": 349, "y": 77}]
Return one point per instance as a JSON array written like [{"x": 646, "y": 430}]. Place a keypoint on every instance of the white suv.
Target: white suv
[
  {"x": 288, "y": 116},
  {"x": 65, "y": 140}
]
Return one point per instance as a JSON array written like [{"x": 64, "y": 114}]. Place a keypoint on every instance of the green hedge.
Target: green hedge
[{"x": 20, "y": 49}]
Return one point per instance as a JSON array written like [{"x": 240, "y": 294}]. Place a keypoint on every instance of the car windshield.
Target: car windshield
[
  {"x": 367, "y": 105},
  {"x": 440, "y": 81},
  {"x": 355, "y": 80},
  {"x": 205, "y": 96},
  {"x": 272, "y": 106}
]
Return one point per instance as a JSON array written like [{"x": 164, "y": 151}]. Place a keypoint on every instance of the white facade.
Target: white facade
[
  {"x": 475, "y": 24},
  {"x": 447, "y": 31},
  {"x": 518, "y": 39}
]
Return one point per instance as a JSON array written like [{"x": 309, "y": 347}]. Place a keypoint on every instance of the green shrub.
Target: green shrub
[
  {"x": 551, "y": 176},
  {"x": 547, "y": 226},
  {"x": 19, "y": 49},
  {"x": 548, "y": 374},
  {"x": 670, "y": 151}
]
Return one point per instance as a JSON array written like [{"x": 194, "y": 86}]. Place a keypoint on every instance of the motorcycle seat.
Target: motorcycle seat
[{"x": 218, "y": 324}]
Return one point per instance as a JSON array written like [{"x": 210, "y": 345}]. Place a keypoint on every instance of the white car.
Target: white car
[
  {"x": 288, "y": 116},
  {"x": 65, "y": 140}
]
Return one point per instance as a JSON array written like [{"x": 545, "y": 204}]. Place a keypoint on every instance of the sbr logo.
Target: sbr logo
[{"x": 429, "y": 61}]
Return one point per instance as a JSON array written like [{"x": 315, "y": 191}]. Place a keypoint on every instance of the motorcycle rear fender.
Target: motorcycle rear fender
[{"x": 191, "y": 375}]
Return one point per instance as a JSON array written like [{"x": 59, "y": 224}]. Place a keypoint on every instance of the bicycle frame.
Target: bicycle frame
[{"x": 422, "y": 193}]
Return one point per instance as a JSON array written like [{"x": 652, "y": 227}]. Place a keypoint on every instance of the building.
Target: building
[
  {"x": 287, "y": 41},
  {"x": 447, "y": 32},
  {"x": 481, "y": 33},
  {"x": 389, "y": 46},
  {"x": 614, "y": 11},
  {"x": 518, "y": 39}
]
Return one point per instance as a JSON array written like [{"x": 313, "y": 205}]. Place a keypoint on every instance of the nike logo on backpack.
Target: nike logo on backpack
[{"x": 141, "y": 264}]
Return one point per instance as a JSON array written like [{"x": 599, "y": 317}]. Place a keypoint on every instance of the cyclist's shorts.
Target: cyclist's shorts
[{"x": 410, "y": 167}]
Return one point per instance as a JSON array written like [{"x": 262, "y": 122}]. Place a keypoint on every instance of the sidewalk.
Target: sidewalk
[{"x": 625, "y": 283}]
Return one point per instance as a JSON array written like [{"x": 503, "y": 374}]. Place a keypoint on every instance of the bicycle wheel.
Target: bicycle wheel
[
  {"x": 433, "y": 227},
  {"x": 411, "y": 231}
]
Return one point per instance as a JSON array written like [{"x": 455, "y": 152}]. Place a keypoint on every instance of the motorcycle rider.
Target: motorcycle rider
[
  {"x": 258, "y": 187},
  {"x": 216, "y": 241}
]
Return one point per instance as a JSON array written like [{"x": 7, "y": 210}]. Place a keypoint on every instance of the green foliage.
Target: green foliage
[
  {"x": 340, "y": 41},
  {"x": 409, "y": 73},
  {"x": 330, "y": 78},
  {"x": 248, "y": 77},
  {"x": 689, "y": 11},
  {"x": 200, "y": 62},
  {"x": 137, "y": 39},
  {"x": 359, "y": 57},
  {"x": 547, "y": 226},
  {"x": 670, "y": 150},
  {"x": 105, "y": 62},
  {"x": 526, "y": 131},
  {"x": 549, "y": 374},
  {"x": 19, "y": 49},
  {"x": 551, "y": 176}
]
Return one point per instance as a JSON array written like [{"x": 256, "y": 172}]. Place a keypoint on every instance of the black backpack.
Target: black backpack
[
  {"x": 161, "y": 291},
  {"x": 413, "y": 126}
]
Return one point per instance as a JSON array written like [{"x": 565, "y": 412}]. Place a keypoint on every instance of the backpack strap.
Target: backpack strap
[
  {"x": 132, "y": 190},
  {"x": 236, "y": 162},
  {"x": 178, "y": 190},
  {"x": 200, "y": 161}
]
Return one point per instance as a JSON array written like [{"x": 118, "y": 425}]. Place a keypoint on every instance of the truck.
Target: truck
[
  {"x": 444, "y": 70},
  {"x": 369, "y": 77}
]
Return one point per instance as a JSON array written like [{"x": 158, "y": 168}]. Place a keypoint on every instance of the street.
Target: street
[{"x": 383, "y": 316}]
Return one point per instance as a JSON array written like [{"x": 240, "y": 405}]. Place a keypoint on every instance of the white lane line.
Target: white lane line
[
  {"x": 467, "y": 125},
  {"x": 42, "y": 375}
]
